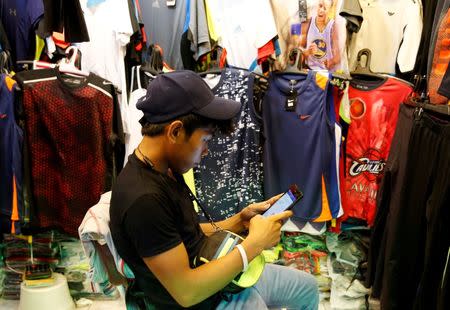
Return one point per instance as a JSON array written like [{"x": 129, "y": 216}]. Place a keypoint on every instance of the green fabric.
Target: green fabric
[
  {"x": 272, "y": 255},
  {"x": 252, "y": 274}
]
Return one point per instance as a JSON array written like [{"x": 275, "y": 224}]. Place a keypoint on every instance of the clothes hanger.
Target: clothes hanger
[
  {"x": 67, "y": 65},
  {"x": 363, "y": 71},
  {"x": 294, "y": 63}
]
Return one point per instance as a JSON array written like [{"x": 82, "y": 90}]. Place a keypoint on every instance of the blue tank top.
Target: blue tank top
[
  {"x": 300, "y": 145},
  {"x": 231, "y": 176},
  {"x": 11, "y": 137}
]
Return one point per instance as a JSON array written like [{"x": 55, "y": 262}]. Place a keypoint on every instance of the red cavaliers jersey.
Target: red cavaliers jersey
[{"x": 374, "y": 110}]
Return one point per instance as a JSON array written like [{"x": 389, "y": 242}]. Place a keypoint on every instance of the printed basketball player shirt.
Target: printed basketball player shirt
[{"x": 322, "y": 40}]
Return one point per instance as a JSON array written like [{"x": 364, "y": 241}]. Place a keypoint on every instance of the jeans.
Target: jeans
[{"x": 278, "y": 287}]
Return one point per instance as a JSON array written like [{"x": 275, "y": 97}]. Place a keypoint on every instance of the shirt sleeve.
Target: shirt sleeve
[
  {"x": 122, "y": 26},
  {"x": 35, "y": 11},
  {"x": 407, "y": 53},
  {"x": 150, "y": 224},
  {"x": 198, "y": 29},
  {"x": 352, "y": 12}
]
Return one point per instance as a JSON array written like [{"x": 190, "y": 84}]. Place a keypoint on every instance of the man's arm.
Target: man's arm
[
  {"x": 336, "y": 59},
  {"x": 191, "y": 286},
  {"x": 234, "y": 224},
  {"x": 240, "y": 221}
]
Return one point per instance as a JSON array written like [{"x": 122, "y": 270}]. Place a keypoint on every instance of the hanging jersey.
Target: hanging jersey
[
  {"x": 319, "y": 228},
  {"x": 11, "y": 137},
  {"x": 300, "y": 145},
  {"x": 72, "y": 129},
  {"x": 322, "y": 41},
  {"x": 231, "y": 176},
  {"x": 374, "y": 108}
]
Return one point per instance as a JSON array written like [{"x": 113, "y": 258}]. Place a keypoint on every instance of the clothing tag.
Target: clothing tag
[
  {"x": 361, "y": 86},
  {"x": 170, "y": 2},
  {"x": 72, "y": 81},
  {"x": 302, "y": 10},
  {"x": 291, "y": 101}
]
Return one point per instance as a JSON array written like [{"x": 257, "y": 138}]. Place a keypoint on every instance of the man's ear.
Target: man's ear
[{"x": 175, "y": 131}]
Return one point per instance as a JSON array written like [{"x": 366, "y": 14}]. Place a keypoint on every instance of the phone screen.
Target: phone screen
[{"x": 281, "y": 204}]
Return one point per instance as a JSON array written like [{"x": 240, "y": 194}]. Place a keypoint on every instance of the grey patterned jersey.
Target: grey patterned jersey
[{"x": 231, "y": 175}]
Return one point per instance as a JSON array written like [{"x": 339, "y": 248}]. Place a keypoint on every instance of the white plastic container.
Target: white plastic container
[{"x": 55, "y": 296}]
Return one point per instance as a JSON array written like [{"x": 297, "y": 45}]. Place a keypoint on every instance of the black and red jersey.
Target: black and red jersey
[{"x": 72, "y": 127}]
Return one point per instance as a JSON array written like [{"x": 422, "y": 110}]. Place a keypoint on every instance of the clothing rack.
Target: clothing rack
[{"x": 425, "y": 104}]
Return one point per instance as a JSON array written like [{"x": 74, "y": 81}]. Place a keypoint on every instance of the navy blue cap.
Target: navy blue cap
[{"x": 173, "y": 94}]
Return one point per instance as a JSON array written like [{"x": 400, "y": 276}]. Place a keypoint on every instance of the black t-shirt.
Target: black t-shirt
[
  {"x": 151, "y": 213},
  {"x": 68, "y": 16}
]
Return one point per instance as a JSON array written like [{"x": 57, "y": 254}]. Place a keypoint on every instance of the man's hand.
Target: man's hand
[
  {"x": 256, "y": 208},
  {"x": 328, "y": 63},
  {"x": 265, "y": 232},
  {"x": 311, "y": 50}
]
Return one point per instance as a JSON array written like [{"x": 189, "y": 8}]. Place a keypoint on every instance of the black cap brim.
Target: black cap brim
[{"x": 220, "y": 109}]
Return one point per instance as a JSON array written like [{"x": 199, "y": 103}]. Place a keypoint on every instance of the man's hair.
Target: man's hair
[{"x": 191, "y": 122}]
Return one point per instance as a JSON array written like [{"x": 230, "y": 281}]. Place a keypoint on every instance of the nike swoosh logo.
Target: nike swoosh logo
[
  {"x": 2, "y": 116},
  {"x": 391, "y": 13},
  {"x": 304, "y": 117}
]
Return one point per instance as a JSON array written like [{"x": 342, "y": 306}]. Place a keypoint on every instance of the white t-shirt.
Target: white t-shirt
[
  {"x": 243, "y": 26},
  {"x": 133, "y": 137},
  {"x": 391, "y": 29},
  {"x": 110, "y": 29}
]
